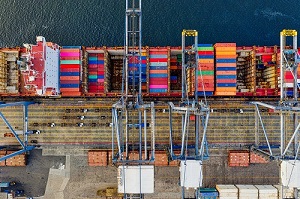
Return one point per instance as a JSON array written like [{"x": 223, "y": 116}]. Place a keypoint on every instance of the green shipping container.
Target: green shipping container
[
  {"x": 206, "y": 72},
  {"x": 69, "y": 61},
  {"x": 92, "y": 76},
  {"x": 205, "y": 48}
]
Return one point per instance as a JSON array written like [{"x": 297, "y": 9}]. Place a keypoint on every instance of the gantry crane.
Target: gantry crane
[
  {"x": 288, "y": 153},
  {"x": 131, "y": 122},
  {"x": 192, "y": 152},
  {"x": 25, "y": 132}
]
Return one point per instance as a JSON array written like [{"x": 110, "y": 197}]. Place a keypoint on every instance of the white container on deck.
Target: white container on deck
[
  {"x": 267, "y": 191},
  {"x": 247, "y": 192},
  {"x": 136, "y": 179},
  {"x": 227, "y": 191}
]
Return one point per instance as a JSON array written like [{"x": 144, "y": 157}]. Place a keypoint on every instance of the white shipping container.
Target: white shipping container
[
  {"x": 136, "y": 179},
  {"x": 290, "y": 173},
  {"x": 227, "y": 191},
  {"x": 191, "y": 173},
  {"x": 247, "y": 191},
  {"x": 267, "y": 191}
]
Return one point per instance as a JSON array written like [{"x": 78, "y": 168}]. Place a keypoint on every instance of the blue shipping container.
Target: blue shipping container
[
  {"x": 226, "y": 76},
  {"x": 158, "y": 90},
  {"x": 225, "y": 60},
  {"x": 158, "y": 75},
  {"x": 226, "y": 68},
  {"x": 69, "y": 73},
  {"x": 69, "y": 85},
  {"x": 226, "y": 85}
]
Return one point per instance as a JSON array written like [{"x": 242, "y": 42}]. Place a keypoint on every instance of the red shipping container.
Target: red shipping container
[
  {"x": 158, "y": 59},
  {"x": 153, "y": 81},
  {"x": 93, "y": 66},
  {"x": 70, "y": 58},
  {"x": 69, "y": 69},
  {"x": 69, "y": 65},
  {"x": 158, "y": 51},
  {"x": 205, "y": 52},
  {"x": 100, "y": 55},
  {"x": 70, "y": 82},
  {"x": 100, "y": 72},
  {"x": 225, "y": 80}
]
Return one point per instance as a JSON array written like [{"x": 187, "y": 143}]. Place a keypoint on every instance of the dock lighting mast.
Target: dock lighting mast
[
  {"x": 192, "y": 152},
  {"x": 132, "y": 127},
  {"x": 24, "y": 142},
  {"x": 288, "y": 153}
]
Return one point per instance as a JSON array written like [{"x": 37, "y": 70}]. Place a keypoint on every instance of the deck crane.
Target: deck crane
[
  {"x": 135, "y": 176},
  {"x": 288, "y": 153},
  {"x": 192, "y": 152},
  {"x": 25, "y": 132}
]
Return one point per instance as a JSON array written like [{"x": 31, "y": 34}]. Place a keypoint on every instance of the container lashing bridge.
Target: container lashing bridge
[
  {"x": 135, "y": 174},
  {"x": 287, "y": 152},
  {"x": 192, "y": 152}
]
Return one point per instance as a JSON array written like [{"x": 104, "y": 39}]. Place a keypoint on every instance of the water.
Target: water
[{"x": 101, "y": 22}]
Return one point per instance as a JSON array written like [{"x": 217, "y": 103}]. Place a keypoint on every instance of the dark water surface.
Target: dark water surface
[{"x": 101, "y": 22}]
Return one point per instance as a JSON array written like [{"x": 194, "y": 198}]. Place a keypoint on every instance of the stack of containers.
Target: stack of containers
[
  {"x": 134, "y": 63},
  {"x": 18, "y": 160},
  {"x": 238, "y": 158},
  {"x": 247, "y": 192},
  {"x": 70, "y": 70},
  {"x": 225, "y": 54},
  {"x": 175, "y": 71},
  {"x": 158, "y": 71},
  {"x": 97, "y": 158},
  {"x": 161, "y": 158},
  {"x": 227, "y": 191},
  {"x": 206, "y": 69},
  {"x": 96, "y": 72}
]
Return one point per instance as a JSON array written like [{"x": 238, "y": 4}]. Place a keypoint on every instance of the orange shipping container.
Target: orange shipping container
[
  {"x": 226, "y": 72},
  {"x": 225, "y": 89},
  {"x": 225, "y": 45},
  {"x": 226, "y": 56},
  {"x": 206, "y": 61},
  {"x": 161, "y": 158},
  {"x": 255, "y": 158},
  {"x": 219, "y": 93}
]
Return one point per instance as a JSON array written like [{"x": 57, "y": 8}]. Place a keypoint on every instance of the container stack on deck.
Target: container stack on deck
[
  {"x": 96, "y": 73},
  {"x": 206, "y": 70},
  {"x": 136, "y": 63},
  {"x": 225, "y": 54},
  {"x": 245, "y": 71},
  {"x": 97, "y": 158},
  {"x": 265, "y": 71},
  {"x": 175, "y": 72},
  {"x": 16, "y": 161},
  {"x": 70, "y": 71},
  {"x": 158, "y": 70}
]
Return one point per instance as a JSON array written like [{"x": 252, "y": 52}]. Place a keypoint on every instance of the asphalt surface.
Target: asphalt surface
[{"x": 32, "y": 178}]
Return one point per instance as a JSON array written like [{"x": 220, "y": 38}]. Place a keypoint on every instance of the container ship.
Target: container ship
[{"x": 224, "y": 70}]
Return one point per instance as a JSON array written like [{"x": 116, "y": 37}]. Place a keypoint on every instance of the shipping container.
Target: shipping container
[
  {"x": 267, "y": 191},
  {"x": 159, "y": 57},
  {"x": 97, "y": 158},
  {"x": 238, "y": 158},
  {"x": 247, "y": 191},
  {"x": 9, "y": 73},
  {"x": 71, "y": 70},
  {"x": 227, "y": 191}
]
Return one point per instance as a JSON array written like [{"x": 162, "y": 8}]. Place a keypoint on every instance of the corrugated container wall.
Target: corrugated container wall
[
  {"x": 70, "y": 70},
  {"x": 206, "y": 79},
  {"x": 246, "y": 70},
  {"x": 266, "y": 74},
  {"x": 158, "y": 70},
  {"x": 98, "y": 73},
  {"x": 225, "y": 56},
  {"x": 175, "y": 70}
]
